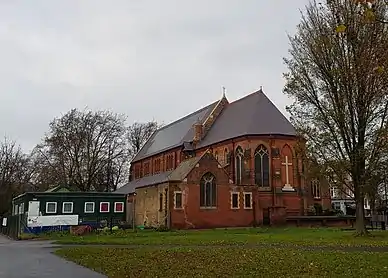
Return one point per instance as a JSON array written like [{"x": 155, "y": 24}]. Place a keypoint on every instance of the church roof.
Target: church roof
[
  {"x": 253, "y": 114},
  {"x": 148, "y": 180},
  {"x": 178, "y": 174},
  {"x": 184, "y": 168},
  {"x": 174, "y": 134}
]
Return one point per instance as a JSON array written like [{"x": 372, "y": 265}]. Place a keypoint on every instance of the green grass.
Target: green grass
[
  {"x": 227, "y": 262},
  {"x": 290, "y": 236}
]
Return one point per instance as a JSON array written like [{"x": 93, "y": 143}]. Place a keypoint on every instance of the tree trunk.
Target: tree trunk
[{"x": 360, "y": 218}]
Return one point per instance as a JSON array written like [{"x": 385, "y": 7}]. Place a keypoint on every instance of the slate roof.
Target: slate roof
[
  {"x": 178, "y": 174},
  {"x": 184, "y": 168},
  {"x": 253, "y": 114},
  {"x": 59, "y": 188},
  {"x": 174, "y": 134},
  {"x": 148, "y": 180}
]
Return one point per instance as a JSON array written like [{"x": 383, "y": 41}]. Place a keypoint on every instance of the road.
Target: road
[{"x": 30, "y": 259}]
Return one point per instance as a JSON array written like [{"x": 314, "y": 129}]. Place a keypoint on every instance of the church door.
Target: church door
[{"x": 266, "y": 217}]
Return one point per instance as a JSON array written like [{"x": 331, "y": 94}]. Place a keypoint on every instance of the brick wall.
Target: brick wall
[
  {"x": 193, "y": 216},
  {"x": 295, "y": 203}
]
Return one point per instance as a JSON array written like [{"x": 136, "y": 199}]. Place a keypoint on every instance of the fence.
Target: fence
[{"x": 11, "y": 226}]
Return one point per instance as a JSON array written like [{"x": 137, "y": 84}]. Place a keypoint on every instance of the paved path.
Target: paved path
[
  {"x": 383, "y": 249},
  {"x": 29, "y": 259}
]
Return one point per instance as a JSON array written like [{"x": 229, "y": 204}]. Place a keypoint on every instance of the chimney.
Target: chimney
[{"x": 198, "y": 132}]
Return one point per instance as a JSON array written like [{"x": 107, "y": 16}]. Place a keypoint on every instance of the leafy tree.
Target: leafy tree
[{"x": 339, "y": 84}]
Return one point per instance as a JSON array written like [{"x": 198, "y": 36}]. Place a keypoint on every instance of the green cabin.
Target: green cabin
[{"x": 59, "y": 209}]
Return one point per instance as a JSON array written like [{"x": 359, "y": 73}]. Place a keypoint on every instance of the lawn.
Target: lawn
[
  {"x": 227, "y": 262},
  {"x": 227, "y": 237}
]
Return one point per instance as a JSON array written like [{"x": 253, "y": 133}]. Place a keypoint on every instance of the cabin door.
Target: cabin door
[{"x": 33, "y": 208}]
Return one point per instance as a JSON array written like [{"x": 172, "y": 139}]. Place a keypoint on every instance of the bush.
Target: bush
[{"x": 162, "y": 229}]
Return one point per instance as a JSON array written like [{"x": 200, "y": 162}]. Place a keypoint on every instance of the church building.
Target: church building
[{"x": 229, "y": 164}]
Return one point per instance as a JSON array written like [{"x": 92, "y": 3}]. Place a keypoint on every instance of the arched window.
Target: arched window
[
  {"x": 208, "y": 191},
  {"x": 316, "y": 189},
  {"x": 239, "y": 164},
  {"x": 226, "y": 156},
  {"x": 262, "y": 166},
  {"x": 216, "y": 155}
]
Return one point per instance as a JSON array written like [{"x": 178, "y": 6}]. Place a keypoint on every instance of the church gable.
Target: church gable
[
  {"x": 254, "y": 114},
  {"x": 207, "y": 164}
]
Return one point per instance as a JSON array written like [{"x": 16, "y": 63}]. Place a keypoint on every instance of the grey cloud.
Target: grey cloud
[{"x": 147, "y": 59}]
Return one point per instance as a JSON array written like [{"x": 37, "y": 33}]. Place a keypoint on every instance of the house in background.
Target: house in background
[
  {"x": 227, "y": 164},
  {"x": 342, "y": 198}
]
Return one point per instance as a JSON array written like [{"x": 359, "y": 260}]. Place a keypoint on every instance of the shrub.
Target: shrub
[{"x": 162, "y": 228}]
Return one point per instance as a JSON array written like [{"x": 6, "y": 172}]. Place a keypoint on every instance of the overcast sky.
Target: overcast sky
[{"x": 148, "y": 59}]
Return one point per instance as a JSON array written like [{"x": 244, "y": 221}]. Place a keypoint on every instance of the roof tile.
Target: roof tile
[{"x": 253, "y": 114}]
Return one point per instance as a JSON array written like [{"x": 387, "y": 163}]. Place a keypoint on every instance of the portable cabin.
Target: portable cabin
[{"x": 58, "y": 210}]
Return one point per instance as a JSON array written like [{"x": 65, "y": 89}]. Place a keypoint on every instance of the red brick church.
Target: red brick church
[{"x": 225, "y": 165}]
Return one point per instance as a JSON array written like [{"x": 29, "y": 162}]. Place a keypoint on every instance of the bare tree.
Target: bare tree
[
  {"x": 338, "y": 80},
  {"x": 83, "y": 147},
  {"x": 14, "y": 173},
  {"x": 138, "y": 134}
]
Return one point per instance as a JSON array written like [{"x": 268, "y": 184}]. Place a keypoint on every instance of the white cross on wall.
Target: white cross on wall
[{"x": 287, "y": 186}]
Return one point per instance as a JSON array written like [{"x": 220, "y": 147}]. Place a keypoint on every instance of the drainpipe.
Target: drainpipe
[
  {"x": 166, "y": 208},
  {"x": 133, "y": 210},
  {"x": 232, "y": 162},
  {"x": 273, "y": 181}
]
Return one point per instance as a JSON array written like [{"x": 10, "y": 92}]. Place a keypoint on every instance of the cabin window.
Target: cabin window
[
  {"x": 51, "y": 207},
  {"x": 21, "y": 208},
  {"x": 89, "y": 207},
  {"x": 104, "y": 207},
  {"x": 247, "y": 200},
  {"x": 178, "y": 200},
  {"x": 67, "y": 207},
  {"x": 235, "y": 204},
  {"x": 119, "y": 207}
]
